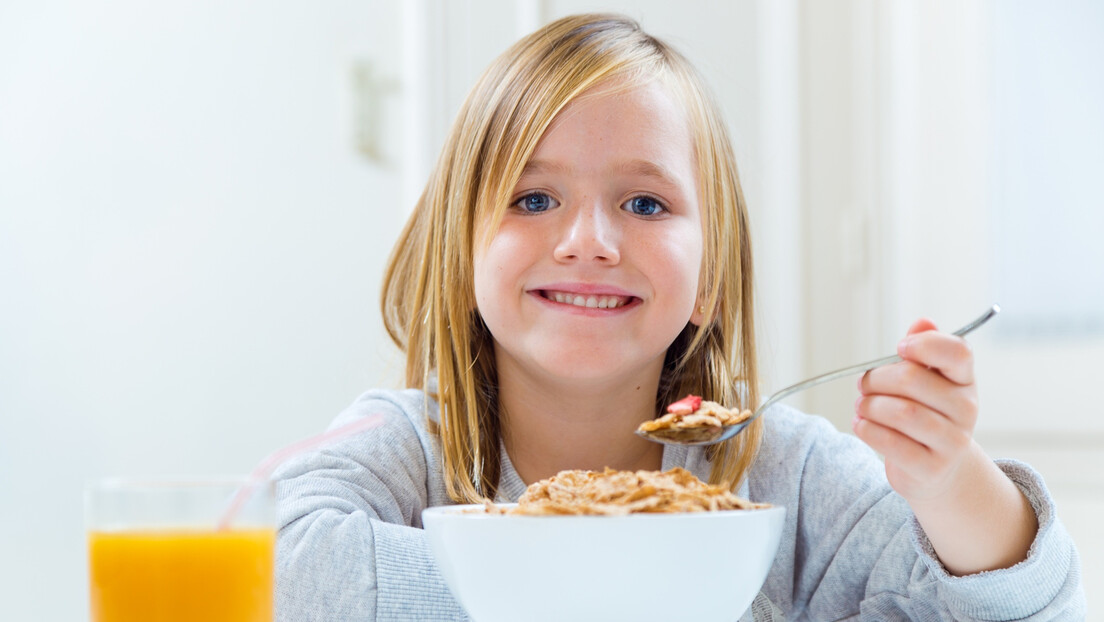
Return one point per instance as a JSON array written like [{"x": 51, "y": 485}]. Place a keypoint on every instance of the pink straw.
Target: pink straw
[{"x": 276, "y": 458}]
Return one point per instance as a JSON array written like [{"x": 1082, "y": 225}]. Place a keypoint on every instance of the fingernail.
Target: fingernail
[
  {"x": 855, "y": 422},
  {"x": 903, "y": 346}
]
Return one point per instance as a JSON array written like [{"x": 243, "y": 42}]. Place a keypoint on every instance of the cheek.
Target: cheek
[
  {"x": 694, "y": 255},
  {"x": 497, "y": 269},
  {"x": 484, "y": 280},
  {"x": 680, "y": 268},
  {"x": 487, "y": 300}
]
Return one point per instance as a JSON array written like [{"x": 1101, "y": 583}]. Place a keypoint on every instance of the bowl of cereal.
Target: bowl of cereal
[{"x": 617, "y": 545}]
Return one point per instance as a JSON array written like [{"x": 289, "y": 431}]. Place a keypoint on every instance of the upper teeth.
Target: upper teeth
[{"x": 592, "y": 302}]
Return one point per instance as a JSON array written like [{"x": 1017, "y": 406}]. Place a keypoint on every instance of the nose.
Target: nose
[{"x": 591, "y": 234}]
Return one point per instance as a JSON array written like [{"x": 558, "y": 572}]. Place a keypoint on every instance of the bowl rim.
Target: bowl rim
[{"x": 465, "y": 511}]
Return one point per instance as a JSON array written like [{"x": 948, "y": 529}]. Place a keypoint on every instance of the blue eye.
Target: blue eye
[
  {"x": 644, "y": 206},
  {"x": 535, "y": 203}
]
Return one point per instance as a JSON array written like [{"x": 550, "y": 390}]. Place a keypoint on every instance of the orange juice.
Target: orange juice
[{"x": 181, "y": 575}]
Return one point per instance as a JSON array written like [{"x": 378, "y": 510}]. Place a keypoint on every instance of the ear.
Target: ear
[{"x": 699, "y": 316}]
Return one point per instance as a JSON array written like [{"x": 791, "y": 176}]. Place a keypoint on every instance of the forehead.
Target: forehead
[{"x": 639, "y": 126}]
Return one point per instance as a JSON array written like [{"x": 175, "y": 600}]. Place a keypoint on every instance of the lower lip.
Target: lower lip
[{"x": 586, "y": 311}]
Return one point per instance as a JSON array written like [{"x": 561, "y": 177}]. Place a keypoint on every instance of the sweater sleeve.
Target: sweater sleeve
[
  {"x": 1044, "y": 586},
  {"x": 350, "y": 547},
  {"x": 858, "y": 553}
]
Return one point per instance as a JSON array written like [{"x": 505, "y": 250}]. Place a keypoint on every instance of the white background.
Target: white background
[{"x": 197, "y": 199}]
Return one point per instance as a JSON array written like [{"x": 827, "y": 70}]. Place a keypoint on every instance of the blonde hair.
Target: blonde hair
[{"x": 428, "y": 300}]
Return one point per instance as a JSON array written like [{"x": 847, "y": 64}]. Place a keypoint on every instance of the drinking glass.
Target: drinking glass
[{"x": 162, "y": 551}]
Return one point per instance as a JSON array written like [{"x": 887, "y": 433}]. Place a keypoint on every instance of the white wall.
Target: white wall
[{"x": 190, "y": 250}]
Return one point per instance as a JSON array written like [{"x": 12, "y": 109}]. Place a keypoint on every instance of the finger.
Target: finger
[
  {"x": 921, "y": 325},
  {"x": 915, "y": 421},
  {"x": 925, "y": 386},
  {"x": 912, "y": 468},
  {"x": 950, "y": 354},
  {"x": 910, "y": 456}
]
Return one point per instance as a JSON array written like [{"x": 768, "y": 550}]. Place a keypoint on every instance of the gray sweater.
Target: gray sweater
[{"x": 351, "y": 547}]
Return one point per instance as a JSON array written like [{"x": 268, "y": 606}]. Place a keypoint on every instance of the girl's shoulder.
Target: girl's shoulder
[
  {"x": 407, "y": 416},
  {"x": 800, "y": 448},
  {"x": 399, "y": 455},
  {"x": 787, "y": 429},
  {"x": 395, "y": 405}
]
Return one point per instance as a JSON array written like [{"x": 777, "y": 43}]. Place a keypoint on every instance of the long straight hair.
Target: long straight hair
[{"x": 428, "y": 300}]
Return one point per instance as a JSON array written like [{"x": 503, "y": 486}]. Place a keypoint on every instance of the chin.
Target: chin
[{"x": 591, "y": 367}]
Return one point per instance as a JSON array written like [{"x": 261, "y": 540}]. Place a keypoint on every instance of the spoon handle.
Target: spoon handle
[{"x": 861, "y": 367}]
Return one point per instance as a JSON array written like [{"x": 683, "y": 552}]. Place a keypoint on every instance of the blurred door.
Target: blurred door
[
  {"x": 942, "y": 178},
  {"x": 747, "y": 50}
]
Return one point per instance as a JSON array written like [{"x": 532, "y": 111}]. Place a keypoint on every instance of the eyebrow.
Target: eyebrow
[
  {"x": 536, "y": 167},
  {"x": 642, "y": 168}
]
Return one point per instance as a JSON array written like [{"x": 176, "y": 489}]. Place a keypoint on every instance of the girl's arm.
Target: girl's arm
[
  {"x": 920, "y": 415},
  {"x": 852, "y": 548},
  {"x": 349, "y": 546}
]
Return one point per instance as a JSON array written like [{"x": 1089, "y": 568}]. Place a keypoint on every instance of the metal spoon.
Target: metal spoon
[{"x": 711, "y": 435}]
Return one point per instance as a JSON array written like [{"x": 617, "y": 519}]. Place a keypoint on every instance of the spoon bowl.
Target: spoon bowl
[{"x": 711, "y": 435}]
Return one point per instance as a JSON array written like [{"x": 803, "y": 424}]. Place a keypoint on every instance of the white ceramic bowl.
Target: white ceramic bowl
[{"x": 697, "y": 566}]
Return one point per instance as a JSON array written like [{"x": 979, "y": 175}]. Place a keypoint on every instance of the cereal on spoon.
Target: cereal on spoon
[{"x": 692, "y": 415}]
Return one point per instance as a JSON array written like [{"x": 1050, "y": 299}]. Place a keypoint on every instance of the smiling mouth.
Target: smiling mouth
[{"x": 590, "y": 301}]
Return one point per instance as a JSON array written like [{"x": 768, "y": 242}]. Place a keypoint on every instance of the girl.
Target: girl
[{"x": 579, "y": 259}]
